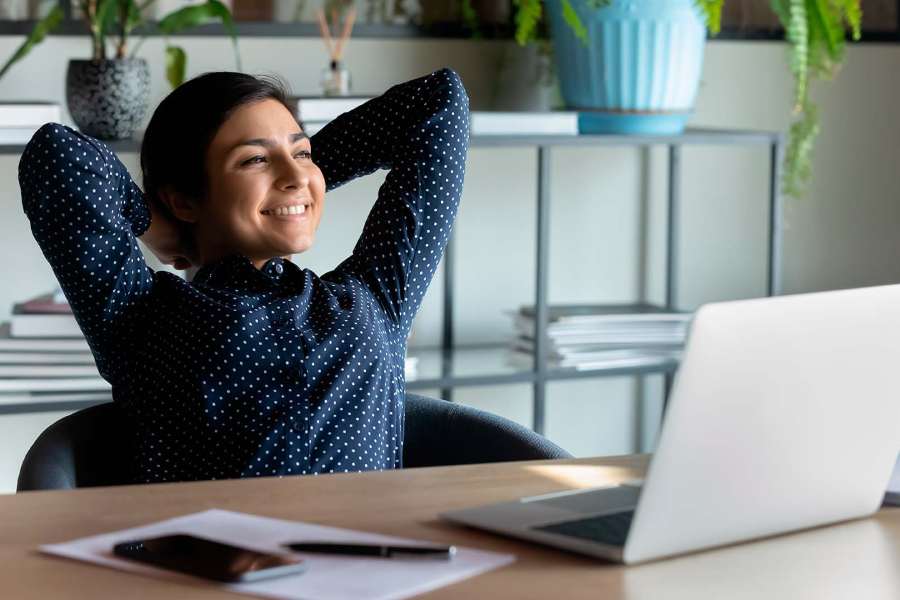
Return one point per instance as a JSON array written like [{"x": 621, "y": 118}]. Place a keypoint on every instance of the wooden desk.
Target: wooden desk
[{"x": 857, "y": 560}]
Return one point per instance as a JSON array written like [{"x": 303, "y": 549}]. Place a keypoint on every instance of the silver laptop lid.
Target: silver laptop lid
[{"x": 785, "y": 414}]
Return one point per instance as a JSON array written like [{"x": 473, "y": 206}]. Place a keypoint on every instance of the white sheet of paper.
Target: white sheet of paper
[
  {"x": 326, "y": 577},
  {"x": 893, "y": 490}
]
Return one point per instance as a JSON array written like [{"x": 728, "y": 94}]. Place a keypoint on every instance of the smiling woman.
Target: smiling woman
[
  {"x": 257, "y": 366},
  {"x": 239, "y": 178}
]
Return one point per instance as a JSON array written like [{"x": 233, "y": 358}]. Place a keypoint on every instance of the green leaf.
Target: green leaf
[
  {"x": 37, "y": 35},
  {"x": 798, "y": 158},
  {"x": 528, "y": 16},
  {"x": 712, "y": 11},
  {"x": 176, "y": 65},
  {"x": 852, "y": 12},
  {"x": 570, "y": 16},
  {"x": 470, "y": 18},
  {"x": 191, "y": 16},
  {"x": 829, "y": 25}
]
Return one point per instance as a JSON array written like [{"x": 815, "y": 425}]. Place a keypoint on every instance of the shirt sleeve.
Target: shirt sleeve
[
  {"x": 420, "y": 131},
  {"x": 86, "y": 213}
]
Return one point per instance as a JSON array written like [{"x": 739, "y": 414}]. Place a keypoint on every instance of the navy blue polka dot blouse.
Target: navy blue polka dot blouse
[{"x": 252, "y": 372}]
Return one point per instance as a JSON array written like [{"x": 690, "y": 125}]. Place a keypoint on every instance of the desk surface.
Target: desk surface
[{"x": 860, "y": 559}]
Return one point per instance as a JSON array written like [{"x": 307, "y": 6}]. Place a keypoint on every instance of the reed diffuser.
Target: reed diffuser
[{"x": 336, "y": 77}]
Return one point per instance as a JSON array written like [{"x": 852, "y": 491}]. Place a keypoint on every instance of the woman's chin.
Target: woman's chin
[{"x": 296, "y": 247}]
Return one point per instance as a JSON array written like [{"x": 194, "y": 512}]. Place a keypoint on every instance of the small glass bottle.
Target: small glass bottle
[{"x": 335, "y": 79}]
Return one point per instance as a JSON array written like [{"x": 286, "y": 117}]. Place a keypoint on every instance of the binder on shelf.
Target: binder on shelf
[
  {"x": 45, "y": 358},
  {"x": 10, "y": 136},
  {"x": 612, "y": 359},
  {"x": 47, "y": 371},
  {"x": 29, "y": 398},
  {"x": 67, "y": 384},
  {"x": 311, "y": 109},
  {"x": 607, "y": 313},
  {"x": 523, "y": 123},
  {"x": 315, "y": 113},
  {"x": 28, "y": 113},
  {"x": 61, "y": 345},
  {"x": 42, "y": 325}
]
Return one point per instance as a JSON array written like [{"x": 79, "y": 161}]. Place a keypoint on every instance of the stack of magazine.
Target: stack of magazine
[
  {"x": 586, "y": 337},
  {"x": 44, "y": 357}
]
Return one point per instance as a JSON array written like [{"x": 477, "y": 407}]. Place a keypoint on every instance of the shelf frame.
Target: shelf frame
[{"x": 540, "y": 375}]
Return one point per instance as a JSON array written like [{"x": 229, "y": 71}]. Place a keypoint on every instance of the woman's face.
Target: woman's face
[{"x": 265, "y": 194}]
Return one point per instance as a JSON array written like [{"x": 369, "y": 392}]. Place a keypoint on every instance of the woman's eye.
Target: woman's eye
[
  {"x": 253, "y": 160},
  {"x": 304, "y": 154}
]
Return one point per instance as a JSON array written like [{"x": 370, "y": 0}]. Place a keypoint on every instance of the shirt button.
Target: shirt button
[
  {"x": 279, "y": 268},
  {"x": 297, "y": 426}
]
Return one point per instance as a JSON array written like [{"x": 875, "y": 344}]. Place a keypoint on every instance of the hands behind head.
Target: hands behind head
[{"x": 166, "y": 238}]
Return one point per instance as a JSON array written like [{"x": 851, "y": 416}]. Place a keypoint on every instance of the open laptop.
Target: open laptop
[{"x": 784, "y": 415}]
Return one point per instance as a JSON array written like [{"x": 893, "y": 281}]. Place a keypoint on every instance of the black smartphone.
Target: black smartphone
[{"x": 208, "y": 558}]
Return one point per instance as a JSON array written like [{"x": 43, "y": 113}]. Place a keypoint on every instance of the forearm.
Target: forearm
[
  {"x": 85, "y": 211},
  {"x": 409, "y": 224},
  {"x": 384, "y": 131}
]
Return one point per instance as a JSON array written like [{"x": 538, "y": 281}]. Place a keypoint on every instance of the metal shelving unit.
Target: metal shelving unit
[
  {"x": 540, "y": 374},
  {"x": 450, "y": 365}
]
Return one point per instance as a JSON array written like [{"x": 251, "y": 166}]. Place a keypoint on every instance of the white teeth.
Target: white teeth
[{"x": 297, "y": 209}]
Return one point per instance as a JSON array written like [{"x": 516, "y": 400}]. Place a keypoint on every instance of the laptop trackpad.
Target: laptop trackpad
[{"x": 622, "y": 497}]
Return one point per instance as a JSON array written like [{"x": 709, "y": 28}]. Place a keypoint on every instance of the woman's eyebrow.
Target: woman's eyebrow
[{"x": 267, "y": 143}]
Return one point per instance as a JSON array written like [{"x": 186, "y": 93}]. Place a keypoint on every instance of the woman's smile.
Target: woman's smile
[{"x": 293, "y": 212}]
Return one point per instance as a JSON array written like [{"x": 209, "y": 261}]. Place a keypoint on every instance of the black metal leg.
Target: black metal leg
[
  {"x": 540, "y": 287},
  {"x": 672, "y": 239},
  {"x": 776, "y": 217},
  {"x": 672, "y": 230},
  {"x": 447, "y": 340}
]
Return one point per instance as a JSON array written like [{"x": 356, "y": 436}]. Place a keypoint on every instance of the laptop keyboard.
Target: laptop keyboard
[
  {"x": 606, "y": 529},
  {"x": 589, "y": 502}
]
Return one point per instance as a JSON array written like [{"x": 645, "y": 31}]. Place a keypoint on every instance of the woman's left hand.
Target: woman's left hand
[{"x": 165, "y": 237}]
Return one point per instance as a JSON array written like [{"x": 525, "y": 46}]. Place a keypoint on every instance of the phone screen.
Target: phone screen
[{"x": 208, "y": 558}]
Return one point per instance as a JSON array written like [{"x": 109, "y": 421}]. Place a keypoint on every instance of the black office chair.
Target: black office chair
[{"x": 88, "y": 448}]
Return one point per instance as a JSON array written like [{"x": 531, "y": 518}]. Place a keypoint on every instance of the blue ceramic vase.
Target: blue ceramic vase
[{"x": 639, "y": 71}]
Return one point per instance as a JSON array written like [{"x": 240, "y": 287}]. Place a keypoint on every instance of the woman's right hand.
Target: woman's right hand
[{"x": 165, "y": 238}]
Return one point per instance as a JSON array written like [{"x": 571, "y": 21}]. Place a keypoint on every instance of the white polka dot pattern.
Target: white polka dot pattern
[{"x": 245, "y": 372}]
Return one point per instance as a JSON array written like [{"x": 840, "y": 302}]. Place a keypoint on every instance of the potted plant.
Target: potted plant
[
  {"x": 634, "y": 65},
  {"x": 108, "y": 96}
]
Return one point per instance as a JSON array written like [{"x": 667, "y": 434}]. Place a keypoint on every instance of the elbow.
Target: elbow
[
  {"x": 39, "y": 146},
  {"x": 451, "y": 94}
]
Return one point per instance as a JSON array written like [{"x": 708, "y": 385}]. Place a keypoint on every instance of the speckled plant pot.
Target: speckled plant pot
[{"x": 108, "y": 98}]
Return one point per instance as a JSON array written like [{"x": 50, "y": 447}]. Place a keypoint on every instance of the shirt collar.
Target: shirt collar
[{"x": 236, "y": 271}]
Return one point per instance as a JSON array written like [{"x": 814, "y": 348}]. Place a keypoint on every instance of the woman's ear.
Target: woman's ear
[{"x": 181, "y": 206}]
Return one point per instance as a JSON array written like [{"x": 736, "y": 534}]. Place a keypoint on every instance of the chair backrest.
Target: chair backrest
[{"x": 92, "y": 446}]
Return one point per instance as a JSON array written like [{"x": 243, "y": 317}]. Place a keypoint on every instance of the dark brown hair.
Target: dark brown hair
[{"x": 173, "y": 151}]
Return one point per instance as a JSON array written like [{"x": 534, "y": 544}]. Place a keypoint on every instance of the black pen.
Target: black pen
[{"x": 386, "y": 551}]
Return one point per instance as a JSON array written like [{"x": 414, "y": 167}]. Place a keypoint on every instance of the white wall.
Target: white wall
[{"x": 841, "y": 235}]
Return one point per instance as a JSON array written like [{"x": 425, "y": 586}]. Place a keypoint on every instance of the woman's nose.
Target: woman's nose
[{"x": 294, "y": 176}]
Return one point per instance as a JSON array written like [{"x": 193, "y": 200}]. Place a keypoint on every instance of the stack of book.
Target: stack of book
[
  {"x": 44, "y": 357},
  {"x": 315, "y": 112},
  {"x": 588, "y": 337},
  {"x": 19, "y": 120}
]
